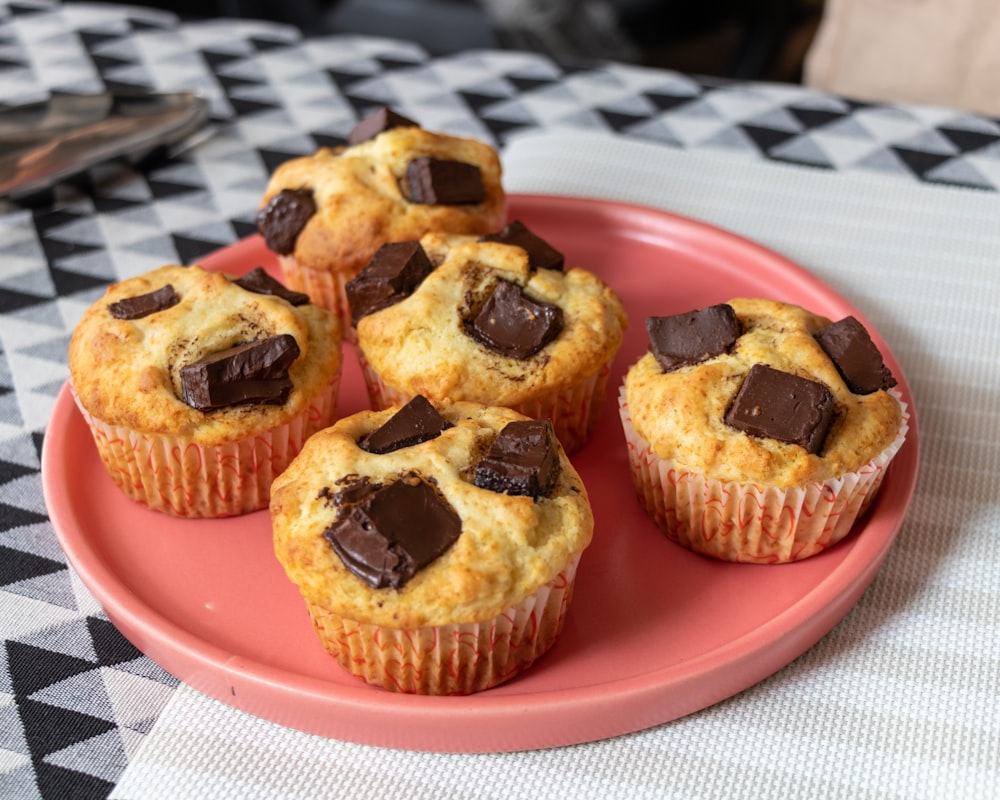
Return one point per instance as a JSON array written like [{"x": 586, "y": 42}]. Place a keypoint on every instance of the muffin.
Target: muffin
[
  {"x": 758, "y": 431},
  {"x": 435, "y": 549},
  {"x": 488, "y": 321},
  {"x": 326, "y": 214},
  {"x": 200, "y": 388}
]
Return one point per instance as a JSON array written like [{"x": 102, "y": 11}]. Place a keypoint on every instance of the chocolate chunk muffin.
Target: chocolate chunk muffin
[
  {"x": 479, "y": 319},
  {"x": 758, "y": 431},
  {"x": 199, "y": 388},
  {"x": 326, "y": 214},
  {"x": 435, "y": 548}
]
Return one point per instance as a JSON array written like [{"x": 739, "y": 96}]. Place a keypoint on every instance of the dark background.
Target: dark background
[{"x": 753, "y": 39}]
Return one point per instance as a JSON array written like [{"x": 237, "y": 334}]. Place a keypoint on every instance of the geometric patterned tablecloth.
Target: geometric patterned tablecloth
[{"x": 76, "y": 699}]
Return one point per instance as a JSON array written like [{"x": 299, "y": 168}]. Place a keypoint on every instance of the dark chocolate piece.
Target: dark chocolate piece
[
  {"x": 855, "y": 356},
  {"x": 396, "y": 269},
  {"x": 541, "y": 255},
  {"x": 416, "y": 422},
  {"x": 523, "y": 460},
  {"x": 381, "y": 119},
  {"x": 394, "y": 531},
  {"x": 778, "y": 405},
  {"x": 440, "y": 181},
  {"x": 684, "y": 339},
  {"x": 255, "y": 372},
  {"x": 353, "y": 489},
  {"x": 513, "y": 324},
  {"x": 283, "y": 218},
  {"x": 142, "y": 305},
  {"x": 259, "y": 282}
]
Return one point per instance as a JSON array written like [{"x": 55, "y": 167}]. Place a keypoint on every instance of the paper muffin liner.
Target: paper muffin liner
[
  {"x": 178, "y": 476},
  {"x": 748, "y": 522},
  {"x": 574, "y": 411},
  {"x": 450, "y": 659},
  {"x": 325, "y": 288}
]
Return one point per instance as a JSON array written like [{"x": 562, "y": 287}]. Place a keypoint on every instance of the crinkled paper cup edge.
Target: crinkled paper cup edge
[
  {"x": 747, "y": 522},
  {"x": 456, "y": 659}
]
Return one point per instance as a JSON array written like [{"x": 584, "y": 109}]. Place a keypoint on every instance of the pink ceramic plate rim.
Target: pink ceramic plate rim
[{"x": 494, "y": 721}]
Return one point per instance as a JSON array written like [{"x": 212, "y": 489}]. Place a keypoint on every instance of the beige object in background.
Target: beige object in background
[{"x": 935, "y": 52}]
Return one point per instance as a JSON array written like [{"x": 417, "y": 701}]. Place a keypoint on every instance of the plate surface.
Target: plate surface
[{"x": 654, "y": 632}]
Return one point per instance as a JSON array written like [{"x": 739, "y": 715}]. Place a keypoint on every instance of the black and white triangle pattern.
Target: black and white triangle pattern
[{"x": 76, "y": 699}]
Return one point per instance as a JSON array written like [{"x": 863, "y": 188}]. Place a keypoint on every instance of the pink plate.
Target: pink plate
[{"x": 654, "y": 633}]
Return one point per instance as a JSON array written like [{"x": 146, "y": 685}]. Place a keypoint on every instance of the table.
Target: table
[{"x": 897, "y": 207}]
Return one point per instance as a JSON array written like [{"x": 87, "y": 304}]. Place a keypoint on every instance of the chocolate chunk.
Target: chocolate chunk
[
  {"x": 142, "y": 305},
  {"x": 353, "y": 489},
  {"x": 394, "y": 531},
  {"x": 683, "y": 339},
  {"x": 439, "y": 181},
  {"x": 255, "y": 372},
  {"x": 392, "y": 274},
  {"x": 782, "y": 406},
  {"x": 541, "y": 255},
  {"x": 513, "y": 324},
  {"x": 523, "y": 460},
  {"x": 259, "y": 282},
  {"x": 283, "y": 218},
  {"x": 381, "y": 119},
  {"x": 855, "y": 356},
  {"x": 416, "y": 422}
]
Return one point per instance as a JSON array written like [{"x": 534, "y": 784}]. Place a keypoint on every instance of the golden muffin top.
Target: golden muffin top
[
  {"x": 429, "y": 342},
  {"x": 127, "y": 366},
  {"x": 353, "y": 199},
  {"x": 682, "y": 412},
  {"x": 506, "y": 545}
]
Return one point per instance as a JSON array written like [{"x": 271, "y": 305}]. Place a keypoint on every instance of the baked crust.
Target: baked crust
[
  {"x": 360, "y": 200},
  {"x": 509, "y": 547},
  {"x": 127, "y": 372},
  {"x": 418, "y": 346},
  {"x": 681, "y": 413}
]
